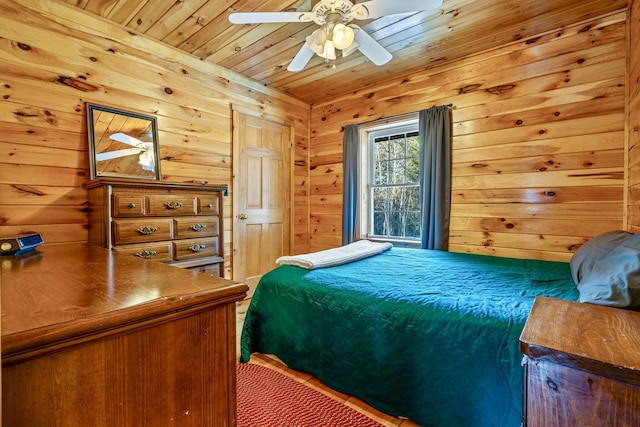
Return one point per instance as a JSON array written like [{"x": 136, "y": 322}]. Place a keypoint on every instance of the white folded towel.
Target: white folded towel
[{"x": 336, "y": 256}]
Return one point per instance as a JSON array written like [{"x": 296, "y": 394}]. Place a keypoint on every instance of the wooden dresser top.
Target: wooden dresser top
[
  {"x": 61, "y": 292},
  {"x": 136, "y": 183},
  {"x": 590, "y": 337}
]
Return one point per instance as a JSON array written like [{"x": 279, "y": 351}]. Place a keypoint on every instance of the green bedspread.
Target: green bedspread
[{"x": 428, "y": 335}]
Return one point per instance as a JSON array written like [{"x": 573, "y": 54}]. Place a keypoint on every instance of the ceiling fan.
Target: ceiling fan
[
  {"x": 144, "y": 148},
  {"x": 336, "y": 32}
]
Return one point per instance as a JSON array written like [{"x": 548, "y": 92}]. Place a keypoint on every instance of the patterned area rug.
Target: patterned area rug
[{"x": 267, "y": 398}]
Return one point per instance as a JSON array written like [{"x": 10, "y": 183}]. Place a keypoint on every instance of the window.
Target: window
[{"x": 390, "y": 183}]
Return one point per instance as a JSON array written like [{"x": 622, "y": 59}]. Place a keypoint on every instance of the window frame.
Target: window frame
[{"x": 368, "y": 133}]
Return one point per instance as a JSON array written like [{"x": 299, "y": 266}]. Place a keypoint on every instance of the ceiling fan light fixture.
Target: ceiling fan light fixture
[
  {"x": 317, "y": 40},
  {"x": 350, "y": 49},
  {"x": 146, "y": 160},
  {"x": 329, "y": 51},
  {"x": 343, "y": 36}
]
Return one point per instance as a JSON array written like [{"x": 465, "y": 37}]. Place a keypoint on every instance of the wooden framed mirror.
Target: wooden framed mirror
[{"x": 122, "y": 143}]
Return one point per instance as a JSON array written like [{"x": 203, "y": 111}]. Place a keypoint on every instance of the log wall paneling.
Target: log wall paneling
[
  {"x": 55, "y": 57},
  {"x": 633, "y": 111},
  {"x": 538, "y": 141},
  {"x": 538, "y": 129}
]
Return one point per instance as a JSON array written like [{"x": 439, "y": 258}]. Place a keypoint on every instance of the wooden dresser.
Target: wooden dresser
[
  {"x": 91, "y": 337},
  {"x": 581, "y": 365},
  {"x": 179, "y": 224}
]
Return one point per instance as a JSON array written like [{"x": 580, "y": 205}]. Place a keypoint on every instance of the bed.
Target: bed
[{"x": 428, "y": 335}]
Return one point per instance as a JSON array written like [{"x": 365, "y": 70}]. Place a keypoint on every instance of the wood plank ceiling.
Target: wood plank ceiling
[{"x": 417, "y": 41}]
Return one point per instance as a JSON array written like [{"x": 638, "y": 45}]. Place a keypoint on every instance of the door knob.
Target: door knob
[{"x": 242, "y": 216}]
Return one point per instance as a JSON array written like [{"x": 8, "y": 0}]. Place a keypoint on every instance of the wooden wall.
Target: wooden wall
[
  {"x": 538, "y": 148},
  {"x": 633, "y": 111},
  {"x": 54, "y": 58},
  {"x": 538, "y": 141}
]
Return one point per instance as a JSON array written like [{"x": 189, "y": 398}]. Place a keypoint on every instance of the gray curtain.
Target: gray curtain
[
  {"x": 350, "y": 146},
  {"x": 435, "y": 176}
]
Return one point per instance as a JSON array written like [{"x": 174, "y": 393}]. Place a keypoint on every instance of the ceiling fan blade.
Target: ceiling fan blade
[
  {"x": 377, "y": 8},
  {"x": 269, "y": 17},
  {"x": 108, "y": 155},
  {"x": 301, "y": 59},
  {"x": 371, "y": 48},
  {"x": 126, "y": 139}
]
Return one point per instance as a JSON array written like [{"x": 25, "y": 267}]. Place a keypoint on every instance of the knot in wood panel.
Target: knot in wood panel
[{"x": 500, "y": 89}]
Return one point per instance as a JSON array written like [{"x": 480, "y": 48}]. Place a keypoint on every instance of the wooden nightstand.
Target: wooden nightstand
[{"x": 581, "y": 365}]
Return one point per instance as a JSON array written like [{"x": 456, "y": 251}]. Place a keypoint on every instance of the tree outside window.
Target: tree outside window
[{"x": 393, "y": 196}]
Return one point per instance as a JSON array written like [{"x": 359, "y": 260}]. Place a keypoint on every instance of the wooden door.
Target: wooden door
[{"x": 261, "y": 196}]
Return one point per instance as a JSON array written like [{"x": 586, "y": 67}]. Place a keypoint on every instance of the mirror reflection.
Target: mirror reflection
[{"x": 122, "y": 143}]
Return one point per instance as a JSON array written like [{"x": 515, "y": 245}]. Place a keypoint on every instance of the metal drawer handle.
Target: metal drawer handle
[
  {"x": 147, "y": 230},
  {"x": 146, "y": 254},
  {"x": 132, "y": 205},
  {"x": 210, "y": 205},
  {"x": 173, "y": 205},
  {"x": 197, "y": 248},
  {"x": 198, "y": 227}
]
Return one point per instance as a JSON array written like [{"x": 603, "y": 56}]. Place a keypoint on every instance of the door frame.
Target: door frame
[{"x": 248, "y": 111}]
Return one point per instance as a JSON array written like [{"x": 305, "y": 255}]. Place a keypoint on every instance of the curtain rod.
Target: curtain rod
[{"x": 397, "y": 116}]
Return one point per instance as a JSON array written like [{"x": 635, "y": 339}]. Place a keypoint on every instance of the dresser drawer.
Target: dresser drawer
[
  {"x": 128, "y": 205},
  {"x": 161, "y": 252},
  {"x": 210, "y": 269},
  {"x": 208, "y": 205},
  {"x": 168, "y": 205},
  {"x": 141, "y": 230},
  {"x": 211, "y": 265},
  {"x": 196, "y": 248},
  {"x": 195, "y": 227}
]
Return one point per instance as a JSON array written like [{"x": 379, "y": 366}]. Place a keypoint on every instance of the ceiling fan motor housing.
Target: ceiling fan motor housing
[{"x": 335, "y": 11}]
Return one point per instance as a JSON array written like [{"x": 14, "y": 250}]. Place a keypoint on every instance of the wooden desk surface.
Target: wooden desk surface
[
  {"x": 585, "y": 336},
  {"x": 62, "y": 292}
]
